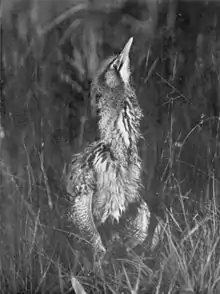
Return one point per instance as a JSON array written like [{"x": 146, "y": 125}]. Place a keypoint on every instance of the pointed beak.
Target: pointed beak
[{"x": 123, "y": 57}]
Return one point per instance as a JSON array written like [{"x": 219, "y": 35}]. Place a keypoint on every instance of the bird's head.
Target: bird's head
[{"x": 111, "y": 81}]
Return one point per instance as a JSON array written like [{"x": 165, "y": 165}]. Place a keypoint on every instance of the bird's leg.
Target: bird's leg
[
  {"x": 82, "y": 217},
  {"x": 155, "y": 232}
]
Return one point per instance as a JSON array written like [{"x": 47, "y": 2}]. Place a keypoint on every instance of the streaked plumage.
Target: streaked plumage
[{"x": 105, "y": 177}]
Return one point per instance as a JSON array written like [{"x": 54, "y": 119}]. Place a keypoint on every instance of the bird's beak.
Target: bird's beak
[
  {"x": 124, "y": 55},
  {"x": 122, "y": 62}
]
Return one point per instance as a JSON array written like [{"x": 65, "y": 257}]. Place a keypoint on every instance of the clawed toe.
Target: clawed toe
[{"x": 100, "y": 253}]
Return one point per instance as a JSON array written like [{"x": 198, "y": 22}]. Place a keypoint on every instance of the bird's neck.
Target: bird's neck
[{"x": 120, "y": 130}]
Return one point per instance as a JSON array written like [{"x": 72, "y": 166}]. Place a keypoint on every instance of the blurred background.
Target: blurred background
[{"x": 50, "y": 51}]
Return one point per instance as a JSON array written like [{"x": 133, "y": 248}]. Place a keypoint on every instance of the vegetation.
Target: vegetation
[{"x": 50, "y": 51}]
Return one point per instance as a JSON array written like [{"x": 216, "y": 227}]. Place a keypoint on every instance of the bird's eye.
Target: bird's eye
[{"x": 115, "y": 67}]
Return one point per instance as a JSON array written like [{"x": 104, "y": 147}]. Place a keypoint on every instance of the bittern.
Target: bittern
[{"x": 104, "y": 181}]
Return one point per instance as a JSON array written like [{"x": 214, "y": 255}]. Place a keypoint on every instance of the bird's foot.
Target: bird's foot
[
  {"x": 99, "y": 249},
  {"x": 99, "y": 258},
  {"x": 100, "y": 253}
]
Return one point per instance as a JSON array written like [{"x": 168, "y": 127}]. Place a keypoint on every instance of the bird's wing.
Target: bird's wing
[{"x": 80, "y": 187}]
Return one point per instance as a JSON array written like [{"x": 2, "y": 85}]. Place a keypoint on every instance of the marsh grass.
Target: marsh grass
[{"x": 48, "y": 60}]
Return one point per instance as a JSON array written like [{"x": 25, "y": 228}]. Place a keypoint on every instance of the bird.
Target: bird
[{"x": 104, "y": 179}]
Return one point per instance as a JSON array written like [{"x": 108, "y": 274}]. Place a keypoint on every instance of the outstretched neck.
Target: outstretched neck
[{"x": 120, "y": 129}]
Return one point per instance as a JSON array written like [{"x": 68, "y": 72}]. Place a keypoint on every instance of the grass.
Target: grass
[{"x": 46, "y": 78}]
